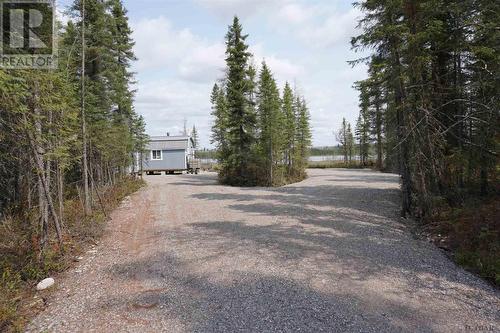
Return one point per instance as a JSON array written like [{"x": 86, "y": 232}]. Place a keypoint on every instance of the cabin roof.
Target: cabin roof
[
  {"x": 169, "y": 138},
  {"x": 168, "y": 142}
]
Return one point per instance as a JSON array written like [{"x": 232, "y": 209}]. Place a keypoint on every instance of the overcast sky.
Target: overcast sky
[{"x": 180, "y": 47}]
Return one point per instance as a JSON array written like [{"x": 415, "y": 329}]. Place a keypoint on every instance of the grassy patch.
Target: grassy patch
[{"x": 22, "y": 265}]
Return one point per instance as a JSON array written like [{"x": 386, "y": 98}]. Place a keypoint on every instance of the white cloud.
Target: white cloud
[
  {"x": 317, "y": 24},
  {"x": 226, "y": 9},
  {"x": 282, "y": 68},
  {"x": 166, "y": 102},
  {"x": 158, "y": 44},
  {"x": 295, "y": 13},
  {"x": 337, "y": 28},
  {"x": 203, "y": 63}
]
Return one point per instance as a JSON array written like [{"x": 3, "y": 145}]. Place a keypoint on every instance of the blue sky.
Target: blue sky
[{"x": 180, "y": 46}]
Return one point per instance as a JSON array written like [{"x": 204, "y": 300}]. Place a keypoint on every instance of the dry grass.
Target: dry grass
[{"x": 22, "y": 264}]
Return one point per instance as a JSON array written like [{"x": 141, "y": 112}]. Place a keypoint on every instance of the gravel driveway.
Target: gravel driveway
[{"x": 325, "y": 255}]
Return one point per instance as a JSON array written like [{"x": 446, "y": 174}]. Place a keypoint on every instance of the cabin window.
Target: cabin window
[{"x": 156, "y": 155}]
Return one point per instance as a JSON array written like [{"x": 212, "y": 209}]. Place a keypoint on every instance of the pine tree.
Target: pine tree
[
  {"x": 194, "y": 136},
  {"x": 141, "y": 139},
  {"x": 120, "y": 76},
  {"x": 303, "y": 138},
  {"x": 375, "y": 91},
  {"x": 363, "y": 137},
  {"x": 433, "y": 63},
  {"x": 270, "y": 121},
  {"x": 343, "y": 139},
  {"x": 350, "y": 143},
  {"x": 289, "y": 127},
  {"x": 259, "y": 138},
  {"x": 241, "y": 124},
  {"x": 219, "y": 135},
  {"x": 41, "y": 141}
]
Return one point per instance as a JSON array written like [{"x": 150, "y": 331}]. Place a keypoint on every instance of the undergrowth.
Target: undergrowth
[
  {"x": 22, "y": 264},
  {"x": 472, "y": 234}
]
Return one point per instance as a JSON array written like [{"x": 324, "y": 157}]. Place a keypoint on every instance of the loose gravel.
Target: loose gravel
[{"x": 328, "y": 254}]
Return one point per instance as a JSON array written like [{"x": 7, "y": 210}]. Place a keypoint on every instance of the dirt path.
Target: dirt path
[{"x": 324, "y": 255}]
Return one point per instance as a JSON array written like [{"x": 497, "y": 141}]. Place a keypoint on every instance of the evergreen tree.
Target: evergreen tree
[
  {"x": 303, "y": 138},
  {"x": 219, "y": 135},
  {"x": 194, "y": 136},
  {"x": 45, "y": 111},
  {"x": 433, "y": 63},
  {"x": 270, "y": 125},
  {"x": 362, "y": 135},
  {"x": 141, "y": 139},
  {"x": 289, "y": 127},
  {"x": 120, "y": 76},
  {"x": 241, "y": 124},
  {"x": 349, "y": 143},
  {"x": 342, "y": 137},
  {"x": 259, "y": 138}
]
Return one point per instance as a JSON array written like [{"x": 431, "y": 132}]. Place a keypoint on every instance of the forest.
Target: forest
[
  {"x": 428, "y": 111},
  {"x": 66, "y": 142},
  {"x": 261, "y": 137},
  {"x": 430, "y": 106},
  {"x": 431, "y": 100}
]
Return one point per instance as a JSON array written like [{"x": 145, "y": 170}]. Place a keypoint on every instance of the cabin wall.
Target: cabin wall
[{"x": 171, "y": 160}]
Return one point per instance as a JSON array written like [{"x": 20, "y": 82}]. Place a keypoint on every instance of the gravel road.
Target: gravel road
[{"x": 325, "y": 255}]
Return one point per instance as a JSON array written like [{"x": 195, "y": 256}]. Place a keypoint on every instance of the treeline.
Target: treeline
[
  {"x": 66, "y": 133},
  {"x": 431, "y": 101},
  {"x": 262, "y": 138},
  {"x": 357, "y": 146},
  {"x": 325, "y": 151}
]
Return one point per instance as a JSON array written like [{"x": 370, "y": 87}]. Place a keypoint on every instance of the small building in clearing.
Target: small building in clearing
[{"x": 168, "y": 153}]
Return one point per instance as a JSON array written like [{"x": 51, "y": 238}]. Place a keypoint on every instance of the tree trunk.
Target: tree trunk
[
  {"x": 39, "y": 152},
  {"x": 85, "y": 168},
  {"x": 60, "y": 192}
]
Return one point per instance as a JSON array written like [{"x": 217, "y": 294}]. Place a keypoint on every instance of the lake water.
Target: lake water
[{"x": 311, "y": 159}]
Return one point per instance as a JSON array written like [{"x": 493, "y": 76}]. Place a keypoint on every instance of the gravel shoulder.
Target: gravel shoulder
[{"x": 328, "y": 254}]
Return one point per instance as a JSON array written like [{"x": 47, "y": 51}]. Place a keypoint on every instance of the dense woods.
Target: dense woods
[
  {"x": 262, "y": 138},
  {"x": 51, "y": 120},
  {"x": 430, "y": 103},
  {"x": 66, "y": 137}
]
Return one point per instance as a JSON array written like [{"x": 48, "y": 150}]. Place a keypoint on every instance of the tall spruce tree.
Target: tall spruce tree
[
  {"x": 362, "y": 135},
  {"x": 270, "y": 121},
  {"x": 350, "y": 143},
  {"x": 342, "y": 136},
  {"x": 241, "y": 124},
  {"x": 289, "y": 129},
  {"x": 303, "y": 137},
  {"x": 195, "y": 137},
  {"x": 219, "y": 136}
]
